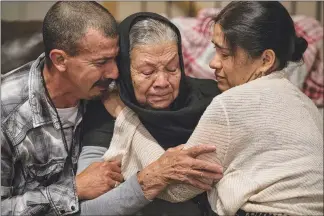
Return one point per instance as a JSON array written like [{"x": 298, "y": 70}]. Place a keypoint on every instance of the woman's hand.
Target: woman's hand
[
  {"x": 178, "y": 165},
  {"x": 113, "y": 104}
]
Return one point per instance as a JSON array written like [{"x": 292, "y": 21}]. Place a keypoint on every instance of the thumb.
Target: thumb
[
  {"x": 177, "y": 148},
  {"x": 117, "y": 162},
  {"x": 200, "y": 149}
]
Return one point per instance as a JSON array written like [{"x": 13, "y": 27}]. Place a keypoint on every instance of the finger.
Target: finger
[
  {"x": 112, "y": 166},
  {"x": 204, "y": 175},
  {"x": 198, "y": 164},
  {"x": 198, "y": 184},
  {"x": 117, "y": 162},
  {"x": 110, "y": 183},
  {"x": 200, "y": 149},
  {"x": 116, "y": 176},
  {"x": 177, "y": 148},
  {"x": 104, "y": 97}
]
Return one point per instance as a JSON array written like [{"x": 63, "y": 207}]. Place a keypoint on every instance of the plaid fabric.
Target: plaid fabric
[
  {"x": 198, "y": 51},
  {"x": 312, "y": 31},
  {"x": 36, "y": 178}
]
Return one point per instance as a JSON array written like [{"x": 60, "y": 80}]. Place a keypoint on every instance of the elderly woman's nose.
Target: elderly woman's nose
[
  {"x": 161, "y": 80},
  {"x": 215, "y": 63}
]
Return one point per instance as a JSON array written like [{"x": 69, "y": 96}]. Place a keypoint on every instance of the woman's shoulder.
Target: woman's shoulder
[
  {"x": 257, "y": 87},
  {"x": 251, "y": 95}
]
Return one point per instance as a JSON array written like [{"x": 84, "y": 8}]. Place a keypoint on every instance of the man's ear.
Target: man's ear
[
  {"x": 268, "y": 59},
  {"x": 59, "y": 59}
]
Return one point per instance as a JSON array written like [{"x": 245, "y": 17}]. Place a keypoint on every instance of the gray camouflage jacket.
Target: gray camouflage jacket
[{"x": 37, "y": 167}]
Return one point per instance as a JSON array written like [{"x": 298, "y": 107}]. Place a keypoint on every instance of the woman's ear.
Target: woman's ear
[
  {"x": 268, "y": 59},
  {"x": 59, "y": 59}
]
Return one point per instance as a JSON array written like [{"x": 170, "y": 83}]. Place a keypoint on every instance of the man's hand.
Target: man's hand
[
  {"x": 97, "y": 179},
  {"x": 178, "y": 165}
]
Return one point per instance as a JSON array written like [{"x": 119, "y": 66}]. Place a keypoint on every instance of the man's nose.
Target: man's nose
[{"x": 111, "y": 72}]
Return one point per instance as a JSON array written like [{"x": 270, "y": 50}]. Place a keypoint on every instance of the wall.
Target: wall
[
  {"x": 32, "y": 10},
  {"x": 24, "y": 10}
]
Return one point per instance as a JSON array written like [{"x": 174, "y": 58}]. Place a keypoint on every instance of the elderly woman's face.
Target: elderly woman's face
[
  {"x": 231, "y": 69},
  {"x": 155, "y": 74}
]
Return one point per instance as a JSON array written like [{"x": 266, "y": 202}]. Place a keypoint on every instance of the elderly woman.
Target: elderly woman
[
  {"x": 268, "y": 134},
  {"x": 169, "y": 104}
]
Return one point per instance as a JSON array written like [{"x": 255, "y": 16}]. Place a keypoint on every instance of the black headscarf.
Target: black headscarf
[{"x": 174, "y": 126}]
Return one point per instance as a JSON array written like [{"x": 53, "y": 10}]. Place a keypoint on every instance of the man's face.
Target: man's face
[
  {"x": 91, "y": 71},
  {"x": 156, "y": 74}
]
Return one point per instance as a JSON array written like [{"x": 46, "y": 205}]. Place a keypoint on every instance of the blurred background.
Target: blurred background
[
  {"x": 36, "y": 10},
  {"x": 21, "y": 39}
]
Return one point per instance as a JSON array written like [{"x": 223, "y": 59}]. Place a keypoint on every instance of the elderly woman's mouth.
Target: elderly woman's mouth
[{"x": 160, "y": 97}]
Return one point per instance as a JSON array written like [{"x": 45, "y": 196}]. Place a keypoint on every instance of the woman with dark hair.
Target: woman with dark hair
[{"x": 268, "y": 134}]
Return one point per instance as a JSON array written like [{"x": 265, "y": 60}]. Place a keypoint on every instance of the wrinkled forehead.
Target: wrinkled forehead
[
  {"x": 94, "y": 41},
  {"x": 154, "y": 53}
]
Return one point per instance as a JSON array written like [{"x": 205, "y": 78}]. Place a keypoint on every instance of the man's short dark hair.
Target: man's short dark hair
[{"x": 67, "y": 22}]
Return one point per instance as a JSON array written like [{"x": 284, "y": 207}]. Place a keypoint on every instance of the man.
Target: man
[
  {"x": 41, "y": 111},
  {"x": 42, "y": 104}
]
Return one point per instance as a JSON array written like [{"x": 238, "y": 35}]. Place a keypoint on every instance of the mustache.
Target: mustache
[{"x": 103, "y": 83}]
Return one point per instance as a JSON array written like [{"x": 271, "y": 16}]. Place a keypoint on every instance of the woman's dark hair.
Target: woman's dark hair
[{"x": 259, "y": 25}]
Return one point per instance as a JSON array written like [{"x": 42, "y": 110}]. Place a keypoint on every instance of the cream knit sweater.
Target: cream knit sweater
[{"x": 269, "y": 139}]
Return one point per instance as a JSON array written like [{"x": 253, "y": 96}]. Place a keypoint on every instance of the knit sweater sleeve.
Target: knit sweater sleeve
[{"x": 213, "y": 129}]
